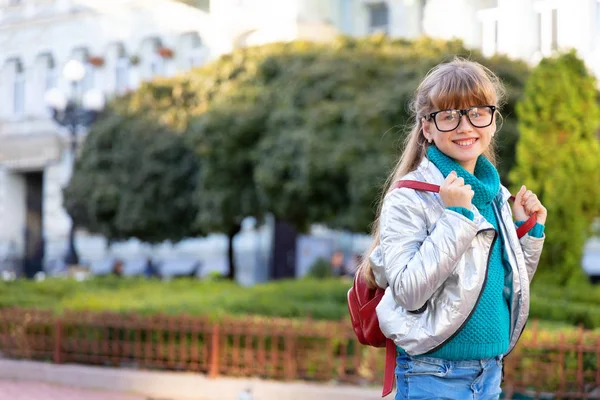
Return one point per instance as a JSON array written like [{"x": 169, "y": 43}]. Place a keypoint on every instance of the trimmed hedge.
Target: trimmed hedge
[
  {"x": 323, "y": 298},
  {"x": 319, "y": 299}
]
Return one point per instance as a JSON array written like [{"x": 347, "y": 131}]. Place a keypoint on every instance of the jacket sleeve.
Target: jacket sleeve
[
  {"x": 532, "y": 250},
  {"x": 418, "y": 262}
]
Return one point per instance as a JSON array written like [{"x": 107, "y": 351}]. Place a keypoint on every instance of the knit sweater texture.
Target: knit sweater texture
[{"x": 486, "y": 334}]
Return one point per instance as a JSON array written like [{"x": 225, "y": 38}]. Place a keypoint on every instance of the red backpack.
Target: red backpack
[{"x": 362, "y": 301}]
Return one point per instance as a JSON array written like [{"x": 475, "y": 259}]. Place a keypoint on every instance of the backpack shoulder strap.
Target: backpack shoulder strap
[
  {"x": 429, "y": 187},
  {"x": 527, "y": 225},
  {"x": 417, "y": 185},
  {"x": 389, "y": 370}
]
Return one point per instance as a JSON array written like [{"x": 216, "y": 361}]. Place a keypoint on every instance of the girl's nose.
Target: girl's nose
[{"x": 464, "y": 124}]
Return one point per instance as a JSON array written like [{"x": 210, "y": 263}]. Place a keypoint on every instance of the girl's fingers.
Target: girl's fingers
[
  {"x": 519, "y": 196},
  {"x": 526, "y": 196},
  {"x": 533, "y": 205},
  {"x": 450, "y": 178}
]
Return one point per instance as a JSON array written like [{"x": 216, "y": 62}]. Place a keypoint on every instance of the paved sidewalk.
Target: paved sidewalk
[
  {"x": 33, "y": 380},
  {"x": 27, "y": 390}
]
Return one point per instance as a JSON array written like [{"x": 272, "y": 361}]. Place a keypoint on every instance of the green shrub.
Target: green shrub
[
  {"x": 319, "y": 298},
  {"x": 573, "y": 313},
  {"x": 558, "y": 158},
  {"x": 320, "y": 269}
]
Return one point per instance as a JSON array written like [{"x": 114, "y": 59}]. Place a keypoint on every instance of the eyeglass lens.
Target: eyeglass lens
[{"x": 479, "y": 117}]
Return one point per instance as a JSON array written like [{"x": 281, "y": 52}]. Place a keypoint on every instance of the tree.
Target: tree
[
  {"x": 558, "y": 157},
  {"x": 224, "y": 140},
  {"x": 134, "y": 178},
  {"x": 338, "y": 119},
  {"x": 329, "y": 120},
  {"x": 305, "y": 131}
]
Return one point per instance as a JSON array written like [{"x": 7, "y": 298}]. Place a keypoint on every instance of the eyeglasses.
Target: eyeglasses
[{"x": 448, "y": 120}]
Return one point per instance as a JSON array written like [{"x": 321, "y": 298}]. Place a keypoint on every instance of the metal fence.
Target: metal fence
[{"x": 544, "y": 364}]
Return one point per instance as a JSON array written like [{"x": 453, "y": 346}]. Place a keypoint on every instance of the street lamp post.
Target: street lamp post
[{"x": 74, "y": 113}]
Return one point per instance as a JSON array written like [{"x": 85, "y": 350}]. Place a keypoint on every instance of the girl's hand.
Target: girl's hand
[
  {"x": 527, "y": 203},
  {"x": 455, "y": 193}
]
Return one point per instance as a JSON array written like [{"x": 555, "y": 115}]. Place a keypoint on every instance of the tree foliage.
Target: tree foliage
[
  {"x": 134, "y": 178},
  {"x": 325, "y": 122},
  {"x": 558, "y": 157},
  {"x": 302, "y": 130}
]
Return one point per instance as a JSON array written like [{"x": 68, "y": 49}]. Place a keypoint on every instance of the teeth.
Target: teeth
[{"x": 467, "y": 142}]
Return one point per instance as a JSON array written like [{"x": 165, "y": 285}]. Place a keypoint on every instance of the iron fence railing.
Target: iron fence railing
[{"x": 560, "y": 365}]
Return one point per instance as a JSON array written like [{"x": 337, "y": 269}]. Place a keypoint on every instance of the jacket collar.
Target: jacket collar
[{"x": 431, "y": 174}]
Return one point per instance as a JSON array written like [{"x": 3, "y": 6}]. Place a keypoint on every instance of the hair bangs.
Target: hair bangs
[{"x": 463, "y": 88}]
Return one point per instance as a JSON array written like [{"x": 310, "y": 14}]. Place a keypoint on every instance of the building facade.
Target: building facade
[
  {"x": 125, "y": 42},
  {"x": 524, "y": 29},
  {"x": 121, "y": 43}
]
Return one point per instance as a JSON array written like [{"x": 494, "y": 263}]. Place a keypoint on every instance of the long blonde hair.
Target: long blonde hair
[{"x": 459, "y": 83}]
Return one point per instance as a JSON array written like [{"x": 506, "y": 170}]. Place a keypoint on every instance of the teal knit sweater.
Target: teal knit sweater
[{"x": 486, "y": 334}]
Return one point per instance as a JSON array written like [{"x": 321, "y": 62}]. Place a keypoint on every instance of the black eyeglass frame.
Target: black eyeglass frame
[{"x": 432, "y": 115}]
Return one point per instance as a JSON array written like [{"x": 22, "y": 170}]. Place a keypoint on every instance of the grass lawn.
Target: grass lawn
[{"x": 556, "y": 308}]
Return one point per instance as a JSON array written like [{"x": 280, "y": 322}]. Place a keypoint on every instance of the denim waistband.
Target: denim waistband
[{"x": 456, "y": 363}]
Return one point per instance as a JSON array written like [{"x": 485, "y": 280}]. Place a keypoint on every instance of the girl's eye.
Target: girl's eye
[{"x": 450, "y": 115}]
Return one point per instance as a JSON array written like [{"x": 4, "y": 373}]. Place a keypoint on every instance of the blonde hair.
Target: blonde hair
[{"x": 459, "y": 83}]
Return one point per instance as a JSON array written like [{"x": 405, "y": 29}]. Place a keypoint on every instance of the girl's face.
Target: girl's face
[{"x": 461, "y": 134}]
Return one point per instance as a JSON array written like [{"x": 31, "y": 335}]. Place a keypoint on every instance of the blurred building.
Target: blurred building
[
  {"x": 254, "y": 22},
  {"x": 525, "y": 29},
  {"x": 125, "y": 42},
  {"x": 121, "y": 43}
]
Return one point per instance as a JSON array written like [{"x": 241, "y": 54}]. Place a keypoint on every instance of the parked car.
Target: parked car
[{"x": 591, "y": 260}]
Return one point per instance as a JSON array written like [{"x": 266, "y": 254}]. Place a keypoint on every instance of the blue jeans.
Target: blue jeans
[{"x": 434, "y": 378}]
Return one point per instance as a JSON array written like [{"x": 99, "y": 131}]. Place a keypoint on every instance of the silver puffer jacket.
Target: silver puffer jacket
[{"x": 434, "y": 264}]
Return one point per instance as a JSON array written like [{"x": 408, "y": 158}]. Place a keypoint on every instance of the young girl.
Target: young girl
[{"x": 456, "y": 274}]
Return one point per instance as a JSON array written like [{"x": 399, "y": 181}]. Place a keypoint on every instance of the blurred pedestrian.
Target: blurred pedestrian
[
  {"x": 117, "y": 268},
  {"x": 352, "y": 265},
  {"x": 337, "y": 263},
  {"x": 458, "y": 276}
]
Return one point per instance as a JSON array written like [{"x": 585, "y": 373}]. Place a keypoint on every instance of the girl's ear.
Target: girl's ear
[{"x": 425, "y": 125}]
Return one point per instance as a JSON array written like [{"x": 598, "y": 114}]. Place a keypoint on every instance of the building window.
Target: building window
[
  {"x": 539, "y": 31},
  {"x": 157, "y": 65},
  {"x": 547, "y": 20},
  {"x": 19, "y": 90},
  {"x": 378, "y": 18},
  {"x": 50, "y": 74},
  {"x": 198, "y": 52},
  {"x": 122, "y": 75},
  {"x": 87, "y": 82},
  {"x": 421, "y": 16},
  {"x": 489, "y": 29},
  {"x": 88, "y": 79},
  {"x": 346, "y": 16},
  {"x": 597, "y": 27},
  {"x": 47, "y": 79},
  {"x": 554, "y": 29}
]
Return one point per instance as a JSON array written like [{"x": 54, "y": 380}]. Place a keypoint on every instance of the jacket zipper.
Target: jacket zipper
[
  {"x": 487, "y": 267},
  {"x": 519, "y": 337},
  {"x": 498, "y": 215}
]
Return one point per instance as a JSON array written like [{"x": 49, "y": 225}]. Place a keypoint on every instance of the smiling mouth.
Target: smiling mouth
[{"x": 465, "y": 142}]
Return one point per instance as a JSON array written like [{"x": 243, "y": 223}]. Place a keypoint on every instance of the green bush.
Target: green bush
[
  {"x": 582, "y": 292},
  {"x": 320, "y": 269},
  {"x": 319, "y": 298},
  {"x": 558, "y": 158},
  {"x": 573, "y": 313}
]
